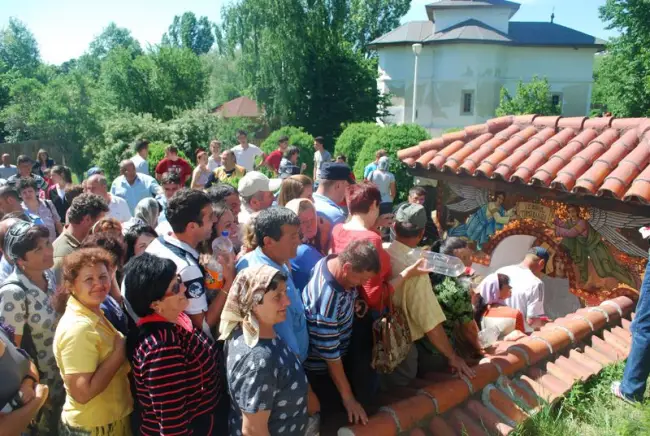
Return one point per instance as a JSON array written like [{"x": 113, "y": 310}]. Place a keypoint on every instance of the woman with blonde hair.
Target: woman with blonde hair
[
  {"x": 90, "y": 352},
  {"x": 201, "y": 173},
  {"x": 298, "y": 186}
]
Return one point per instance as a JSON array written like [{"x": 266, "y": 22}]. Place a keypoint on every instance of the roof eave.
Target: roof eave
[{"x": 377, "y": 45}]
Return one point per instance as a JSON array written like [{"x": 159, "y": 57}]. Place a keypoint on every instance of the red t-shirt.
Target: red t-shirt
[
  {"x": 179, "y": 166},
  {"x": 372, "y": 289},
  {"x": 274, "y": 159}
]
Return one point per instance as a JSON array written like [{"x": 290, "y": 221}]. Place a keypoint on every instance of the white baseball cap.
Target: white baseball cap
[{"x": 255, "y": 182}]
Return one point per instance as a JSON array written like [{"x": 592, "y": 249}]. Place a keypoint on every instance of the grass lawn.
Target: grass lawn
[{"x": 589, "y": 409}]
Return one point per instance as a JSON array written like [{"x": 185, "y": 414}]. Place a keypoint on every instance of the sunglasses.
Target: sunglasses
[{"x": 176, "y": 287}]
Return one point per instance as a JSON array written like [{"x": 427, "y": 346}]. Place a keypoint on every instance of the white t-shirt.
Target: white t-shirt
[
  {"x": 141, "y": 165},
  {"x": 246, "y": 158},
  {"x": 320, "y": 157},
  {"x": 118, "y": 208},
  {"x": 527, "y": 292},
  {"x": 213, "y": 164},
  {"x": 383, "y": 179}
]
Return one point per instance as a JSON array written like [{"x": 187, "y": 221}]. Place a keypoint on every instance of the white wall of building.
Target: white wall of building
[
  {"x": 493, "y": 17},
  {"x": 445, "y": 71}
]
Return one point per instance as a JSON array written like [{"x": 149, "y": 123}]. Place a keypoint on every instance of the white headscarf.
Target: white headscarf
[{"x": 489, "y": 289}]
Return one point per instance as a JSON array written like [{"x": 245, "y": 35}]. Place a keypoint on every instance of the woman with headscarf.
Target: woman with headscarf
[
  {"x": 90, "y": 351},
  {"x": 307, "y": 255},
  {"x": 491, "y": 312},
  {"x": 266, "y": 381},
  {"x": 25, "y": 306},
  {"x": 178, "y": 388},
  {"x": 385, "y": 180},
  {"x": 146, "y": 212}
]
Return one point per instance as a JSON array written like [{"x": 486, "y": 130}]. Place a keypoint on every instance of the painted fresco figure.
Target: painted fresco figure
[
  {"x": 486, "y": 221},
  {"x": 584, "y": 243}
]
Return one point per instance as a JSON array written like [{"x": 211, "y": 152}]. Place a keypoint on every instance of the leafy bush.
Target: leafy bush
[
  {"x": 392, "y": 139},
  {"x": 351, "y": 140},
  {"x": 109, "y": 158},
  {"x": 157, "y": 153},
  {"x": 298, "y": 137}
]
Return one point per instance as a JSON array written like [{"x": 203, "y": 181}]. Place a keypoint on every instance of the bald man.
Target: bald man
[
  {"x": 6, "y": 169},
  {"x": 117, "y": 207},
  {"x": 132, "y": 186},
  {"x": 6, "y": 267}
]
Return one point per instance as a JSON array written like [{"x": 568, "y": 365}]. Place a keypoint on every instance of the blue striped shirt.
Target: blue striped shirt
[{"x": 329, "y": 309}]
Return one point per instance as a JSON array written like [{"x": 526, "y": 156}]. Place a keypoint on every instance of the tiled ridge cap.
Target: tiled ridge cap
[{"x": 555, "y": 337}]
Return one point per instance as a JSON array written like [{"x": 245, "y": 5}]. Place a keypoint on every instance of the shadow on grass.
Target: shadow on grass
[{"x": 590, "y": 409}]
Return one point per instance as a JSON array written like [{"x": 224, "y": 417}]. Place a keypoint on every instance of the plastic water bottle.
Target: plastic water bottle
[
  {"x": 214, "y": 274},
  {"x": 439, "y": 263},
  {"x": 222, "y": 246}
]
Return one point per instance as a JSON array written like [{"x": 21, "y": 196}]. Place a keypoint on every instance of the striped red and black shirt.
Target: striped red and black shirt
[{"x": 176, "y": 377}]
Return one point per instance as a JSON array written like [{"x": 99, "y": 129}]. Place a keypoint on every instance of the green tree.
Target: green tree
[
  {"x": 531, "y": 98},
  {"x": 622, "y": 76},
  {"x": 161, "y": 83},
  {"x": 297, "y": 63},
  {"x": 369, "y": 19},
  {"x": 18, "y": 49},
  {"x": 111, "y": 38},
  {"x": 392, "y": 139},
  {"x": 187, "y": 31},
  {"x": 352, "y": 139},
  {"x": 224, "y": 79}
]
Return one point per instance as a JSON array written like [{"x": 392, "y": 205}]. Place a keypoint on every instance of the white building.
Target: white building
[{"x": 470, "y": 49}]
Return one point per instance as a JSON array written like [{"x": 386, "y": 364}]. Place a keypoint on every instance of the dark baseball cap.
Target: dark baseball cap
[
  {"x": 540, "y": 252},
  {"x": 413, "y": 214},
  {"x": 336, "y": 171}
]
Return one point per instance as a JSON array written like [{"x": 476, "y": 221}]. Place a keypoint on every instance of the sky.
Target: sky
[{"x": 65, "y": 28}]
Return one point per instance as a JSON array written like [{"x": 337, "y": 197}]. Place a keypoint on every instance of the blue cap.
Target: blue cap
[
  {"x": 94, "y": 170},
  {"x": 540, "y": 252},
  {"x": 336, "y": 171}
]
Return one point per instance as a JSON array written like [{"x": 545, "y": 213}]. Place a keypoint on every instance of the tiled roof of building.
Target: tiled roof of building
[
  {"x": 239, "y": 107},
  {"x": 519, "y": 34},
  {"x": 471, "y": 3},
  {"x": 598, "y": 157},
  {"x": 512, "y": 385}
]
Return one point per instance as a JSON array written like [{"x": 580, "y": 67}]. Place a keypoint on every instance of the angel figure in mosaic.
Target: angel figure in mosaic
[
  {"x": 583, "y": 239},
  {"x": 490, "y": 217}
]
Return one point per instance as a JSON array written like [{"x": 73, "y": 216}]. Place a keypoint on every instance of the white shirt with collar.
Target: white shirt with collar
[{"x": 246, "y": 157}]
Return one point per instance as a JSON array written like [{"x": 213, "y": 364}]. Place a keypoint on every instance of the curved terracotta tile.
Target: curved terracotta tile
[
  {"x": 558, "y": 339},
  {"x": 443, "y": 154},
  {"x": 432, "y": 144},
  {"x": 626, "y": 304},
  {"x": 547, "y": 121},
  {"x": 599, "y": 124},
  {"x": 585, "y": 361},
  {"x": 575, "y": 123},
  {"x": 567, "y": 377},
  {"x": 486, "y": 373},
  {"x": 622, "y": 178},
  {"x": 643, "y": 128},
  {"x": 547, "y": 172},
  {"x": 476, "y": 130},
  {"x": 623, "y": 334},
  {"x": 498, "y": 124},
  {"x": 546, "y": 394},
  {"x": 535, "y": 349},
  {"x": 487, "y": 418},
  {"x": 409, "y": 153},
  {"x": 582, "y": 161},
  {"x": 505, "y": 405},
  {"x": 640, "y": 189},
  {"x": 618, "y": 343},
  {"x": 439, "y": 427},
  {"x": 456, "y": 159},
  {"x": 517, "y": 393},
  {"x": 580, "y": 328},
  {"x": 381, "y": 424},
  {"x": 472, "y": 161},
  {"x": 409, "y": 161},
  {"x": 449, "y": 393},
  {"x": 426, "y": 158},
  {"x": 464, "y": 424},
  {"x": 607, "y": 349},
  {"x": 590, "y": 181},
  {"x": 599, "y": 357},
  {"x": 527, "y": 168},
  {"x": 626, "y": 123},
  {"x": 515, "y": 157},
  {"x": 597, "y": 319},
  {"x": 549, "y": 381},
  {"x": 524, "y": 119},
  {"x": 417, "y": 432},
  {"x": 489, "y": 163},
  {"x": 509, "y": 363},
  {"x": 454, "y": 136}
]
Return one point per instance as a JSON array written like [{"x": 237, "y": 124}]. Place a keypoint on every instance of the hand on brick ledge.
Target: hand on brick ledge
[{"x": 356, "y": 413}]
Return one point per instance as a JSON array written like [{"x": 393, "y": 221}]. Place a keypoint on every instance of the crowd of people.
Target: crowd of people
[{"x": 122, "y": 312}]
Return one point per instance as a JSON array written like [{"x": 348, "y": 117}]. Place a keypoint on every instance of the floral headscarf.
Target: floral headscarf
[
  {"x": 489, "y": 289},
  {"x": 246, "y": 292}
]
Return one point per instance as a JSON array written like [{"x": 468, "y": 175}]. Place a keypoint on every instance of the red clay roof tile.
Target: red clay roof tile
[
  {"x": 464, "y": 424},
  {"x": 439, "y": 427},
  {"x": 607, "y": 157},
  {"x": 487, "y": 418}
]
